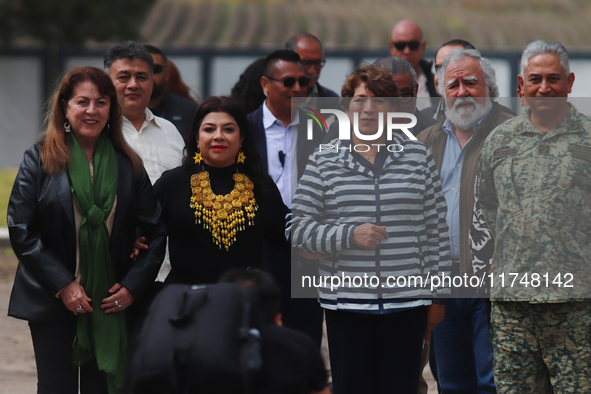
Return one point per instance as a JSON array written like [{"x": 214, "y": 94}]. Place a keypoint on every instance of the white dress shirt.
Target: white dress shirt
[
  {"x": 158, "y": 142},
  {"x": 281, "y": 139},
  {"x": 160, "y": 145},
  {"x": 425, "y": 102}
]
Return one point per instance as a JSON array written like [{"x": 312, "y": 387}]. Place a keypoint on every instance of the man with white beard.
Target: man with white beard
[{"x": 467, "y": 82}]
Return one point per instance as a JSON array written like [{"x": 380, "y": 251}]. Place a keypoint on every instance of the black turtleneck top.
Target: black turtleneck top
[{"x": 194, "y": 256}]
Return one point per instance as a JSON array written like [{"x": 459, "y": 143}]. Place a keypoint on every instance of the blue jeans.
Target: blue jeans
[{"x": 463, "y": 348}]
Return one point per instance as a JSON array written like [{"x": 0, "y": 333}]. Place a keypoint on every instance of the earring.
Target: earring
[
  {"x": 241, "y": 157},
  {"x": 67, "y": 127},
  {"x": 198, "y": 158},
  {"x": 108, "y": 127}
]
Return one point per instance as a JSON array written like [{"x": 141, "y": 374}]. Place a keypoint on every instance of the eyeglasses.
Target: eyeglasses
[
  {"x": 412, "y": 45},
  {"x": 316, "y": 63},
  {"x": 290, "y": 81},
  {"x": 158, "y": 68},
  {"x": 406, "y": 97}
]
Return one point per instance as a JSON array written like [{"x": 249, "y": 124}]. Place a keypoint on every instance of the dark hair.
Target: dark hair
[
  {"x": 153, "y": 50},
  {"x": 267, "y": 290},
  {"x": 280, "y": 54},
  {"x": 248, "y": 91},
  {"x": 377, "y": 80},
  {"x": 55, "y": 149},
  {"x": 127, "y": 51},
  {"x": 458, "y": 42},
  {"x": 292, "y": 43},
  {"x": 253, "y": 163}
]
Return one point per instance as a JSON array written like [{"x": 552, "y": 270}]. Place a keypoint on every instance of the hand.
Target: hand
[
  {"x": 435, "y": 314},
  {"x": 313, "y": 256},
  {"x": 138, "y": 245},
  {"x": 74, "y": 297},
  {"x": 119, "y": 301},
  {"x": 369, "y": 236}
]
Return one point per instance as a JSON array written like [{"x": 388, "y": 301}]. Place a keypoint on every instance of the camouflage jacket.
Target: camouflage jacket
[{"x": 535, "y": 193}]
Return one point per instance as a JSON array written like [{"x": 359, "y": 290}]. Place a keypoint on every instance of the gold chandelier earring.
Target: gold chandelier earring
[
  {"x": 198, "y": 158},
  {"x": 241, "y": 157}
]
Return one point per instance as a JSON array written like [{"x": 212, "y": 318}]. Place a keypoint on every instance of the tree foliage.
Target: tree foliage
[{"x": 75, "y": 22}]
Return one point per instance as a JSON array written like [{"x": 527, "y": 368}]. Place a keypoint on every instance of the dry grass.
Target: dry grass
[
  {"x": 7, "y": 176},
  {"x": 489, "y": 24},
  {"x": 8, "y": 263}
]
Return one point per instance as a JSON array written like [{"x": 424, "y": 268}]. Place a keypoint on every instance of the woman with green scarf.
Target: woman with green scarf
[{"x": 79, "y": 197}]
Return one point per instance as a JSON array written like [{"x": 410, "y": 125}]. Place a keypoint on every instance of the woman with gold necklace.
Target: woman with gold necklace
[{"x": 219, "y": 206}]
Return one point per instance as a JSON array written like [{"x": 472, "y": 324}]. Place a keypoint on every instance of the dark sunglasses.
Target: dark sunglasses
[
  {"x": 290, "y": 81},
  {"x": 412, "y": 45},
  {"x": 316, "y": 63},
  {"x": 158, "y": 68}
]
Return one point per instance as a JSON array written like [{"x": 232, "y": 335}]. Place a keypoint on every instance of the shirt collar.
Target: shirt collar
[
  {"x": 571, "y": 123},
  {"x": 448, "y": 126},
  {"x": 269, "y": 119},
  {"x": 314, "y": 91}
]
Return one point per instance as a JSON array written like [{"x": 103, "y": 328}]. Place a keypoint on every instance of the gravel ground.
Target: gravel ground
[{"x": 17, "y": 361}]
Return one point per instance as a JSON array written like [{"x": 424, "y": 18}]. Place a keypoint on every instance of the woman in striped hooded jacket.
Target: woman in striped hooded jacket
[{"x": 372, "y": 208}]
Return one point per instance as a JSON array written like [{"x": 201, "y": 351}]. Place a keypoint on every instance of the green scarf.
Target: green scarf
[{"x": 100, "y": 336}]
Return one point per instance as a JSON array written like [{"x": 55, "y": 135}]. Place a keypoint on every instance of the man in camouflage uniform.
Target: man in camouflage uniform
[{"x": 534, "y": 186}]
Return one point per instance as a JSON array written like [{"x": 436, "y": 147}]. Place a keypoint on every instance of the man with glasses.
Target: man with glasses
[
  {"x": 284, "y": 159},
  {"x": 178, "y": 110},
  {"x": 408, "y": 43},
  {"x": 311, "y": 54}
]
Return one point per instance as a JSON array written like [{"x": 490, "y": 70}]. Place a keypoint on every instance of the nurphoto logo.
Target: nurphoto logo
[{"x": 393, "y": 122}]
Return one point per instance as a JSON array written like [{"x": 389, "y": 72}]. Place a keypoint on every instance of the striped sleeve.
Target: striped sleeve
[
  {"x": 315, "y": 224},
  {"x": 435, "y": 208}
]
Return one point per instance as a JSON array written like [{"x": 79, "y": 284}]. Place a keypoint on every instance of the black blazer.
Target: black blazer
[
  {"x": 326, "y": 92},
  {"x": 425, "y": 65},
  {"x": 43, "y": 236},
  {"x": 304, "y": 147}
]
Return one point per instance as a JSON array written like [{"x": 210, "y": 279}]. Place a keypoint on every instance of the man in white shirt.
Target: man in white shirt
[
  {"x": 276, "y": 132},
  {"x": 282, "y": 143},
  {"x": 155, "y": 139}
]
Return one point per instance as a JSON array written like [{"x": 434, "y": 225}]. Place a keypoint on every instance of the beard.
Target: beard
[
  {"x": 157, "y": 90},
  {"x": 466, "y": 117}
]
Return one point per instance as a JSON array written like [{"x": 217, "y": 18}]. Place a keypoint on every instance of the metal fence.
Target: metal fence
[{"x": 27, "y": 77}]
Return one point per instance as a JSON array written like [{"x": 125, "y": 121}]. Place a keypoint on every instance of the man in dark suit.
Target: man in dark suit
[
  {"x": 408, "y": 43},
  {"x": 280, "y": 135},
  {"x": 178, "y": 110},
  {"x": 311, "y": 54},
  {"x": 406, "y": 79}
]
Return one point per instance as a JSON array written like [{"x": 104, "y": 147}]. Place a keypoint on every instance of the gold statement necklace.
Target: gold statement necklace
[{"x": 225, "y": 215}]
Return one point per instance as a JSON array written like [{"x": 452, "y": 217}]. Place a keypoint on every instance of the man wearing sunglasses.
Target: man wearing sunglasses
[
  {"x": 176, "y": 109},
  {"x": 408, "y": 43},
  {"x": 282, "y": 142},
  {"x": 311, "y": 54}
]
